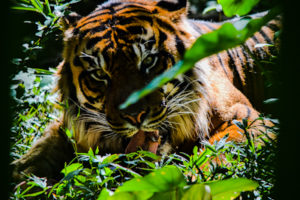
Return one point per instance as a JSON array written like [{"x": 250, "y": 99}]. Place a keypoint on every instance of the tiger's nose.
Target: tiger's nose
[{"x": 136, "y": 119}]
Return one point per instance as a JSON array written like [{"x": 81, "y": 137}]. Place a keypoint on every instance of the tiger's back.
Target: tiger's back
[{"x": 241, "y": 65}]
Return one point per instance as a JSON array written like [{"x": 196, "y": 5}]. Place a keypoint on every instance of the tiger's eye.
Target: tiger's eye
[
  {"x": 148, "y": 61},
  {"x": 98, "y": 76}
]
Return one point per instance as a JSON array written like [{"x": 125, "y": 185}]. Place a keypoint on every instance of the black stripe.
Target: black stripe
[
  {"x": 75, "y": 31},
  {"x": 76, "y": 48},
  {"x": 180, "y": 46},
  {"x": 92, "y": 42},
  {"x": 90, "y": 22},
  {"x": 159, "y": 119},
  {"x": 240, "y": 58},
  {"x": 259, "y": 50},
  {"x": 157, "y": 113},
  {"x": 77, "y": 62},
  {"x": 87, "y": 105},
  {"x": 132, "y": 6},
  {"x": 137, "y": 11},
  {"x": 110, "y": 121},
  {"x": 165, "y": 25},
  {"x": 90, "y": 99},
  {"x": 222, "y": 64},
  {"x": 125, "y": 20},
  {"x": 89, "y": 60},
  {"x": 162, "y": 38},
  {"x": 145, "y": 18},
  {"x": 85, "y": 76},
  {"x": 137, "y": 30},
  {"x": 106, "y": 56},
  {"x": 172, "y": 6},
  {"x": 94, "y": 16},
  {"x": 247, "y": 56},
  {"x": 233, "y": 67},
  {"x": 121, "y": 32},
  {"x": 264, "y": 35},
  {"x": 273, "y": 27},
  {"x": 167, "y": 55},
  {"x": 196, "y": 27},
  {"x": 149, "y": 43},
  {"x": 255, "y": 39},
  {"x": 92, "y": 30}
]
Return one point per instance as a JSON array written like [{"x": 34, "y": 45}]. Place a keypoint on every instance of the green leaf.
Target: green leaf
[
  {"x": 167, "y": 182},
  {"x": 171, "y": 194},
  {"x": 167, "y": 178},
  {"x": 71, "y": 168},
  {"x": 48, "y": 9},
  {"x": 231, "y": 188},
  {"x": 211, "y": 7},
  {"x": 227, "y": 36},
  {"x": 104, "y": 195},
  {"x": 237, "y": 7},
  {"x": 44, "y": 71},
  {"x": 133, "y": 173},
  {"x": 25, "y": 8},
  {"x": 34, "y": 194},
  {"x": 69, "y": 133},
  {"x": 141, "y": 195},
  {"x": 198, "y": 192},
  {"x": 37, "y": 4}
]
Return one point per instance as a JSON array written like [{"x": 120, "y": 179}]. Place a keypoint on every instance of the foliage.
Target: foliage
[
  {"x": 223, "y": 170},
  {"x": 90, "y": 176},
  {"x": 237, "y": 7},
  {"x": 31, "y": 90}
]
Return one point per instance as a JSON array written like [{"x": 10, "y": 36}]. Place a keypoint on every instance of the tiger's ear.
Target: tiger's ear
[
  {"x": 69, "y": 20},
  {"x": 177, "y": 8}
]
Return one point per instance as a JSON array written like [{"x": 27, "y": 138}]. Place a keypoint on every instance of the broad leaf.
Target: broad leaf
[
  {"x": 231, "y": 188},
  {"x": 167, "y": 182},
  {"x": 237, "y": 7},
  {"x": 165, "y": 179},
  {"x": 199, "y": 192},
  {"x": 141, "y": 195}
]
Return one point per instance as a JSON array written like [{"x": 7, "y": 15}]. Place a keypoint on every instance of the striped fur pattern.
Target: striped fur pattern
[{"x": 119, "y": 48}]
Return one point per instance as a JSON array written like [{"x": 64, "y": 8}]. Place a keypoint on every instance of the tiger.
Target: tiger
[{"x": 119, "y": 48}]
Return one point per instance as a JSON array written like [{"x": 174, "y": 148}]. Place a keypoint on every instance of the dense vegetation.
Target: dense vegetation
[{"x": 140, "y": 175}]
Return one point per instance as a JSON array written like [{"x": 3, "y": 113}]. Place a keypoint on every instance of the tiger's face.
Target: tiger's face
[{"x": 118, "y": 49}]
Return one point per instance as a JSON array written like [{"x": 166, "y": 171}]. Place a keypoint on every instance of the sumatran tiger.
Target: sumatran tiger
[{"x": 118, "y": 49}]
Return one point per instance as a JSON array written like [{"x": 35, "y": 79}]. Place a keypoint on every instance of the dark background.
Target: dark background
[{"x": 287, "y": 187}]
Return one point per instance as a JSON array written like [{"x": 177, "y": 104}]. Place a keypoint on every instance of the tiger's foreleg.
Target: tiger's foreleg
[
  {"x": 229, "y": 105},
  {"x": 47, "y": 157},
  {"x": 230, "y": 127}
]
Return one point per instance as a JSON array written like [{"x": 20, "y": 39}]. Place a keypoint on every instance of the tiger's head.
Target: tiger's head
[{"x": 118, "y": 49}]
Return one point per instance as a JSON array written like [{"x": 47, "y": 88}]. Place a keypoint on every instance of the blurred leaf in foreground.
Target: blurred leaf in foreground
[{"x": 237, "y": 7}]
